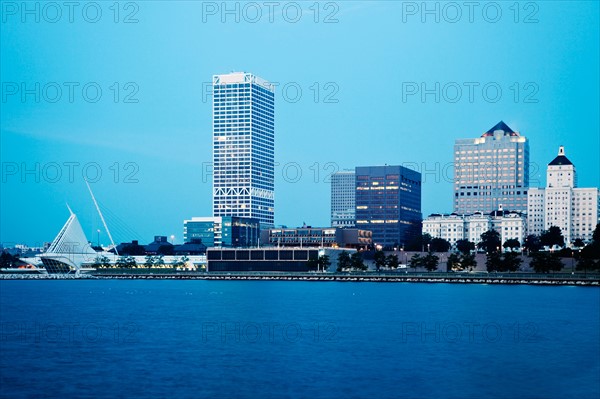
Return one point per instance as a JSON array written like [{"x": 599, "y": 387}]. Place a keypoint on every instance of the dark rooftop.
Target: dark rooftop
[
  {"x": 500, "y": 126},
  {"x": 561, "y": 159}
]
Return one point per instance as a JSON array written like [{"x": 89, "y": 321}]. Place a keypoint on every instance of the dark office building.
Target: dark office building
[{"x": 388, "y": 203}]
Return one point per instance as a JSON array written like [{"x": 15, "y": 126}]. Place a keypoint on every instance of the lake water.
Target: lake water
[{"x": 271, "y": 339}]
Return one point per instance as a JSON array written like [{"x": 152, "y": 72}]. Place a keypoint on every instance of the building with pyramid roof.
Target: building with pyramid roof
[{"x": 491, "y": 171}]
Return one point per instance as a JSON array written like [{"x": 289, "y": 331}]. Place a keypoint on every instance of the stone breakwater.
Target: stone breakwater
[{"x": 533, "y": 279}]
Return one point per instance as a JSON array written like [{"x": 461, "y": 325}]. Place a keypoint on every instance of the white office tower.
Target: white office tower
[
  {"x": 343, "y": 203},
  {"x": 243, "y": 147},
  {"x": 491, "y": 171},
  {"x": 562, "y": 204}
]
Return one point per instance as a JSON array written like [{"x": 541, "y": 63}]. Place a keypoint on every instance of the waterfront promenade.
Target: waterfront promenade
[{"x": 578, "y": 279}]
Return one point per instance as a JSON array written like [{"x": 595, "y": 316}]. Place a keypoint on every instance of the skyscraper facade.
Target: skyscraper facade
[
  {"x": 243, "y": 147},
  {"x": 343, "y": 192},
  {"x": 388, "y": 202},
  {"x": 491, "y": 171}
]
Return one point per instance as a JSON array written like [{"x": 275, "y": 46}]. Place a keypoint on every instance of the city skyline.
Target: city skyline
[
  {"x": 302, "y": 199},
  {"x": 156, "y": 149}
]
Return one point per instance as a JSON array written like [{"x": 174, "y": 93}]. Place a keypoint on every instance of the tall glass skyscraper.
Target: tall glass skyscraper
[
  {"x": 388, "y": 202},
  {"x": 490, "y": 171},
  {"x": 243, "y": 147}
]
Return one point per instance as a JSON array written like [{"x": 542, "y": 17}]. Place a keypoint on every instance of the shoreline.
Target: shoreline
[{"x": 451, "y": 278}]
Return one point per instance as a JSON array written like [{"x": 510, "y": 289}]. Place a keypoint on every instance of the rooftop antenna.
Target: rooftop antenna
[{"x": 101, "y": 217}]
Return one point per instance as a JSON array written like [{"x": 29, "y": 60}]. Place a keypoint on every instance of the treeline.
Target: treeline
[
  {"x": 129, "y": 262},
  {"x": 497, "y": 260}
]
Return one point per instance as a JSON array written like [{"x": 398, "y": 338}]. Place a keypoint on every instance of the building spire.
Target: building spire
[{"x": 561, "y": 158}]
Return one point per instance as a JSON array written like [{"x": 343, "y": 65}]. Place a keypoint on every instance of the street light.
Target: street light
[
  {"x": 98, "y": 231},
  {"x": 172, "y": 239}
]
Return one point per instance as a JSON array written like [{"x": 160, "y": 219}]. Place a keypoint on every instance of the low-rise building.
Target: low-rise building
[
  {"x": 475, "y": 225},
  {"x": 510, "y": 224},
  {"x": 308, "y": 236},
  {"x": 269, "y": 259},
  {"x": 454, "y": 227},
  {"x": 160, "y": 246},
  {"x": 449, "y": 227},
  {"x": 222, "y": 231}
]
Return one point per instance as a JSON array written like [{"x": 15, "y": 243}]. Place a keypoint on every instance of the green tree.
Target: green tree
[
  {"x": 159, "y": 261},
  {"x": 589, "y": 256},
  {"x": 356, "y": 261},
  {"x": 513, "y": 244},
  {"x": 493, "y": 261},
  {"x": 416, "y": 261},
  {"x": 97, "y": 262},
  {"x": 122, "y": 262},
  {"x": 465, "y": 246},
  {"x": 511, "y": 262},
  {"x": 490, "y": 241},
  {"x": 343, "y": 262},
  {"x": 105, "y": 262},
  {"x": 586, "y": 264},
  {"x": 323, "y": 262},
  {"x": 544, "y": 262},
  {"x": 184, "y": 260},
  {"x": 312, "y": 264},
  {"x": 130, "y": 262},
  {"x": 439, "y": 245},
  {"x": 430, "y": 261},
  {"x": 150, "y": 261},
  {"x": 578, "y": 243},
  {"x": 379, "y": 259},
  {"x": 468, "y": 262},
  {"x": 453, "y": 263},
  {"x": 552, "y": 236},
  {"x": 556, "y": 264},
  {"x": 392, "y": 261},
  {"x": 179, "y": 262},
  {"x": 532, "y": 243},
  {"x": 425, "y": 240}
]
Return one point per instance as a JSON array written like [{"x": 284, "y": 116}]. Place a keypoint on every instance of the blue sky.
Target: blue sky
[{"x": 152, "y": 142}]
